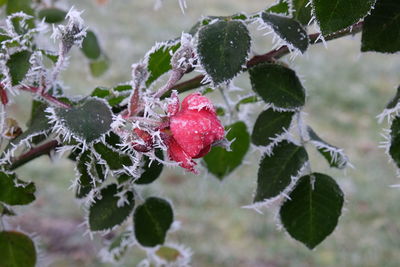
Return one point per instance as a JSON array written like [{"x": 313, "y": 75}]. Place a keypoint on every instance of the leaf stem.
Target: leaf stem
[{"x": 46, "y": 96}]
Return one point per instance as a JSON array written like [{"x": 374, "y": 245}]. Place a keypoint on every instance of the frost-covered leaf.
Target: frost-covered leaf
[
  {"x": 85, "y": 181},
  {"x": 334, "y": 155},
  {"x": 276, "y": 171},
  {"x": 223, "y": 48},
  {"x": 288, "y": 29},
  {"x": 221, "y": 162},
  {"x": 90, "y": 46},
  {"x": 19, "y": 64},
  {"x": 115, "y": 160},
  {"x": 152, "y": 220},
  {"x": 381, "y": 31},
  {"x": 52, "y": 15},
  {"x": 270, "y": 124},
  {"x": 159, "y": 60},
  {"x": 312, "y": 211},
  {"x": 14, "y": 191},
  {"x": 302, "y": 11},
  {"x": 87, "y": 121},
  {"x": 281, "y": 7},
  {"x": 278, "y": 85},
  {"x": 394, "y": 149},
  {"x": 105, "y": 213},
  {"x": 335, "y": 15},
  {"x": 16, "y": 250},
  {"x": 99, "y": 66},
  {"x": 38, "y": 125},
  {"x": 395, "y": 100},
  {"x": 152, "y": 172}
]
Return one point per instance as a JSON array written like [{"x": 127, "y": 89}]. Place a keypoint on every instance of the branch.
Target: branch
[
  {"x": 272, "y": 55},
  {"x": 33, "y": 153},
  {"x": 46, "y": 96}
]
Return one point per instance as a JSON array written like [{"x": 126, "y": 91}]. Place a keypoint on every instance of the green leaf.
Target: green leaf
[
  {"x": 14, "y": 6},
  {"x": 152, "y": 172},
  {"x": 14, "y": 191},
  {"x": 105, "y": 213},
  {"x": 394, "y": 150},
  {"x": 99, "y": 66},
  {"x": 281, "y": 7},
  {"x": 278, "y": 85},
  {"x": 152, "y": 220},
  {"x": 18, "y": 64},
  {"x": 50, "y": 55},
  {"x": 159, "y": 60},
  {"x": 87, "y": 121},
  {"x": 223, "y": 48},
  {"x": 276, "y": 171},
  {"x": 381, "y": 28},
  {"x": 90, "y": 46},
  {"x": 115, "y": 160},
  {"x": 52, "y": 15},
  {"x": 16, "y": 249},
  {"x": 336, "y": 15},
  {"x": 334, "y": 155},
  {"x": 270, "y": 124},
  {"x": 302, "y": 11},
  {"x": 221, "y": 162},
  {"x": 85, "y": 180},
  {"x": 312, "y": 211},
  {"x": 247, "y": 100},
  {"x": 168, "y": 254},
  {"x": 288, "y": 29}
]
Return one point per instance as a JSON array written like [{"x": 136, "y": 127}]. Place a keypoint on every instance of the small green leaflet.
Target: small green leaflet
[
  {"x": 277, "y": 85},
  {"x": 334, "y": 155},
  {"x": 381, "y": 29},
  {"x": 152, "y": 220},
  {"x": 87, "y": 121},
  {"x": 151, "y": 172},
  {"x": 115, "y": 160},
  {"x": 336, "y": 15},
  {"x": 99, "y": 66},
  {"x": 288, "y": 29},
  {"x": 16, "y": 250},
  {"x": 90, "y": 46},
  {"x": 395, "y": 100},
  {"x": 394, "y": 149},
  {"x": 223, "y": 48},
  {"x": 105, "y": 213},
  {"x": 221, "y": 162},
  {"x": 52, "y": 15},
  {"x": 159, "y": 60},
  {"x": 281, "y": 7},
  {"x": 168, "y": 254},
  {"x": 312, "y": 211},
  {"x": 14, "y": 191},
  {"x": 276, "y": 171},
  {"x": 19, "y": 65},
  {"x": 270, "y": 124}
]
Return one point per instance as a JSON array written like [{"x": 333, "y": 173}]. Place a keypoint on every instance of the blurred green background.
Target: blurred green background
[{"x": 346, "y": 90}]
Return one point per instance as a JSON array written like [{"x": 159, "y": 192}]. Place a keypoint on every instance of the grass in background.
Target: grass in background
[{"x": 346, "y": 90}]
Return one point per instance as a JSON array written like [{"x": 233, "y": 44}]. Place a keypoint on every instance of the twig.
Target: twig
[
  {"x": 34, "y": 153},
  {"x": 46, "y": 96}
]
